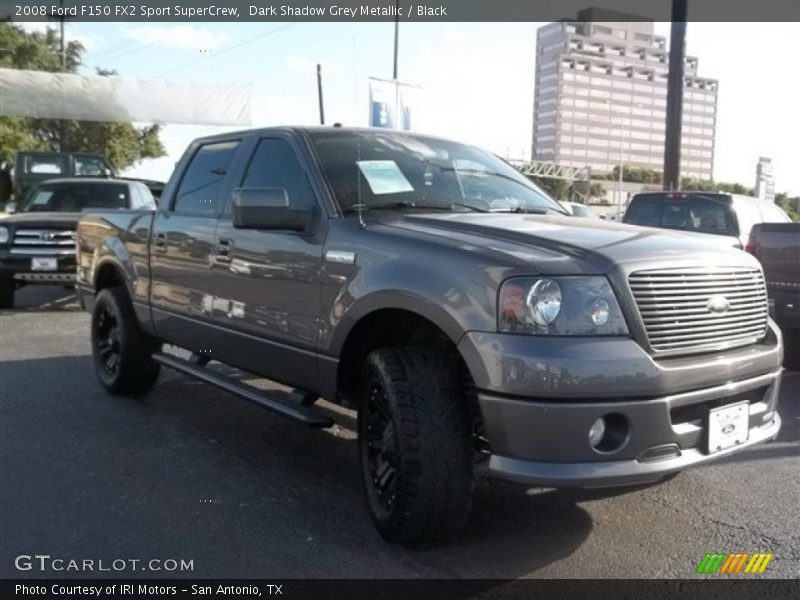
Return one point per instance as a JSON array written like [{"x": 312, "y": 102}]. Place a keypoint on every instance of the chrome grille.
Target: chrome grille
[
  {"x": 43, "y": 242},
  {"x": 675, "y": 307}
]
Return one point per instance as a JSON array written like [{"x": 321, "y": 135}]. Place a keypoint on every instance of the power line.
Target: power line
[{"x": 229, "y": 49}]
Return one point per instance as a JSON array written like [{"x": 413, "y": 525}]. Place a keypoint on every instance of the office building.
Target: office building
[{"x": 600, "y": 98}]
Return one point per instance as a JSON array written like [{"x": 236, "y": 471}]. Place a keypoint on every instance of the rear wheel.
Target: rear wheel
[
  {"x": 122, "y": 353},
  {"x": 6, "y": 291},
  {"x": 415, "y": 442}
]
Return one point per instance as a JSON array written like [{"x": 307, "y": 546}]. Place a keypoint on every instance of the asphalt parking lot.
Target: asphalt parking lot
[{"x": 188, "y": 472}]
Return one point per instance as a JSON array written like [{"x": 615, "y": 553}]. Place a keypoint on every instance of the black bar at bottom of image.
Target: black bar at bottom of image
[{"x": 406, "y": 589}]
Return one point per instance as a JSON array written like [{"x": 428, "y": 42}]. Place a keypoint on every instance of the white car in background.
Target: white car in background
[{"x": 580, "y": 210}]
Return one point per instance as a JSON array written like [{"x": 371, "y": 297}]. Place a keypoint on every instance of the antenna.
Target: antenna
[{"x": 359, "y": 205}]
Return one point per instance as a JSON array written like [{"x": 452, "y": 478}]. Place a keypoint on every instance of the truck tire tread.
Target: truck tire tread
[
  {"x": 137, "y": 371},
  {"x": 435, "y": 444}
]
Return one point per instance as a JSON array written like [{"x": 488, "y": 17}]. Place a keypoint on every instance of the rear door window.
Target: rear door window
[{"x": 198, "y": 193}]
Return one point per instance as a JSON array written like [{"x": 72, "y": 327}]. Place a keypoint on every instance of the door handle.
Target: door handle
[
  {"x": 160, "y": 242},
  {"x": 222, "y": 250}
]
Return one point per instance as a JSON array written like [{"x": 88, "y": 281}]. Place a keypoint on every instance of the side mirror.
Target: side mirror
[
  {"x": 267, "y": 208},
  {"x": 11, "y": 208}
]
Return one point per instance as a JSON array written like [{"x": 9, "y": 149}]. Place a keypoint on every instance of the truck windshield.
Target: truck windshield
[
  {"x": 75, "y": 197},
  {"x": 373, "y": 170},
  {"x": 687, "y": 212}
]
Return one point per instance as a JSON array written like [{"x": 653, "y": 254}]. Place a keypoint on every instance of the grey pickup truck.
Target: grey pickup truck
[{"x": 473, "y": 325}]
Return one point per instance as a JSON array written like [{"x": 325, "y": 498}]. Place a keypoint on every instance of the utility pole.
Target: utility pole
[
  {"x": 396, "y": 35},
  {"x": 672, "y": 140},
  {"x": 62, "y": 20},
  {"x": 319, "y": 92},
  {"x": 62, "y": 133}
]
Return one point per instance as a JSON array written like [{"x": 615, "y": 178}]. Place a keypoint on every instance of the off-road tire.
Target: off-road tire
[
  {"x": 6, "y": 292},
  {"x": 133, "y": 369},
  {"x": 431, "y": 434}
]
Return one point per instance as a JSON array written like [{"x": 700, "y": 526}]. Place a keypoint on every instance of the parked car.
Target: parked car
[
  {"x": 729, "y": 215},
  {"x": 37, "y": 242},
  {"x": 777, "y": 246},
  {"x": 433, "y": 288},
  {"x": 580, "y": 210}
]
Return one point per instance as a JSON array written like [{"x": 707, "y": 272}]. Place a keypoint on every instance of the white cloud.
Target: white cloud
[{"x": 182, "y": 36}]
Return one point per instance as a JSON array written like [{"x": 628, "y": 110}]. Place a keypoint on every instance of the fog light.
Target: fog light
[
  {"x": 600, "y": 312},
  {"x": 597, "y": 431},
  {"x": 609, "y": 433}
]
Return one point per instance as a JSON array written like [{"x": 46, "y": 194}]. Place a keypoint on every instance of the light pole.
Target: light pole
[
  {"x": 625, "y": 133},
  {"x": 621, "y": 150}
]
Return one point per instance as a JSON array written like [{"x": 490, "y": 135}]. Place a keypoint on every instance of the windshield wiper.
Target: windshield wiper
[
  {"x": 406, "y": 204},
  {"x": 527, "y": 210}
]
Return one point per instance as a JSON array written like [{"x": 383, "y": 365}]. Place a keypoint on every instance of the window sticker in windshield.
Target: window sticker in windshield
[{"x": 384, "y": 177}]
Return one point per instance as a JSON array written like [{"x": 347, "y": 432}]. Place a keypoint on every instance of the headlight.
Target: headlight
[
  {"x": 3, "y": 235},
  {"x": 560, "y": 306}
]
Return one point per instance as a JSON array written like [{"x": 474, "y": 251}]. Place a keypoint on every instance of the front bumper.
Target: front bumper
[
  {"x": 540, "y": 396},
  {"x": 18, "y": 266}
]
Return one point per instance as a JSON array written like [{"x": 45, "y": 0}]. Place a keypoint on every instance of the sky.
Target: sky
[{"x": 476, "y": 79}]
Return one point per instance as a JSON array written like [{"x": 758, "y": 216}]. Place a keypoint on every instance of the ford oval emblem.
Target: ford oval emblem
[
  {"x": 718, "y": 304},
  {"x": 729, "y": 428}
]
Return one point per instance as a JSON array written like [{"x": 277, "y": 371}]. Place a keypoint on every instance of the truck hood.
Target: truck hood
[
  {"x": 566, "y": 245},
  {"x": 57, "y": 220}
]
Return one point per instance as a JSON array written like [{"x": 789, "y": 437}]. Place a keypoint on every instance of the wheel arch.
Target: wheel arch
[{"x": 384, "y": 327}]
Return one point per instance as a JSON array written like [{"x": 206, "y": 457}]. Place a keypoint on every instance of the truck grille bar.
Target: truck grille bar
[
  {"x": 701, "y": 309},
  {"x": 43, "y": 242}
]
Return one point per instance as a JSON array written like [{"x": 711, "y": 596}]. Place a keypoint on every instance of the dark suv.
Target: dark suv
[{"x": 728, "y": 215}]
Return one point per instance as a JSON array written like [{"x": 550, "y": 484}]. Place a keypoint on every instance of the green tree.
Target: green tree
[
  {"x": 596, "y": 190},
  {"x": 709, "y": 185},
  {"x": 635, "y": 174},
  {"x": 557, "y": 188},
  {"x": 122, "y": 143},
  {"x": 790, "y": 205}
]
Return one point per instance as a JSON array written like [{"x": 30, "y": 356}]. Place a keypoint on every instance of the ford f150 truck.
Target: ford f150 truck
[{"x": 431, "y": 287}]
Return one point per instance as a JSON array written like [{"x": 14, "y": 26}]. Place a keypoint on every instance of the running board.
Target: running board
[{"x": 296, "y": 412}]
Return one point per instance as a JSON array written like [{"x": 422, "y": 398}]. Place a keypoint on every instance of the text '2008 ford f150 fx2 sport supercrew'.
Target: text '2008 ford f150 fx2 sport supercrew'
[{"x": 463, "y": 314}]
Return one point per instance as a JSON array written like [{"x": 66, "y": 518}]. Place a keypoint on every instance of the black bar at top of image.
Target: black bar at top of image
[
  {"x": 702, "y": 588},
  {"x": 382, "y": 10}
]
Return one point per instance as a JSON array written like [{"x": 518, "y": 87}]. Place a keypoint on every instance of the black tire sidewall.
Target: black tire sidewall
[
  {"x": 107, "y": 302},
  {"x": 137, "y": 371},
  {"x": 382, "y": 518}
]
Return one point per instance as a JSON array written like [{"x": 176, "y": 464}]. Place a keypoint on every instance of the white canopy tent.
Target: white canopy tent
[{"x": 40, "y": 94}]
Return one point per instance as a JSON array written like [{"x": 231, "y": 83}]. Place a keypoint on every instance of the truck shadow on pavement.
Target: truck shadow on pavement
[
  {"x": 188, "y": 471},
  {"x": 44, "y": 298}
]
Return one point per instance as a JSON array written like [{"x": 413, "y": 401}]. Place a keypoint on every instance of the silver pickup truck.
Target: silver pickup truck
[{"x": 428, "y": 285}]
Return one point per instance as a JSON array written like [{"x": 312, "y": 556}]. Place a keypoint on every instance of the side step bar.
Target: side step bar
[{"x": 296, "y": 412}]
